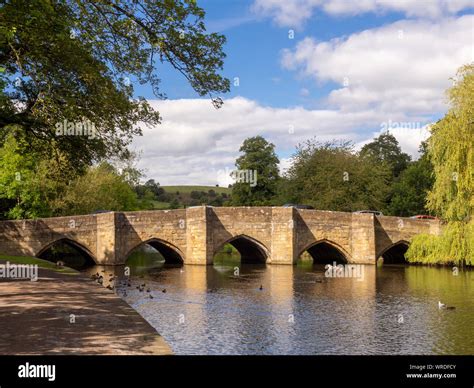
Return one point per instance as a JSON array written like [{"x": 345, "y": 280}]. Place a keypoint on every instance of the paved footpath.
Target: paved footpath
[{"x": 37, "y": 318}]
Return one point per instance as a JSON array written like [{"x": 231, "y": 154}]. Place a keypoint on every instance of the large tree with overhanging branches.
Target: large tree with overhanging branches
[{"x": 71, "y": 59}]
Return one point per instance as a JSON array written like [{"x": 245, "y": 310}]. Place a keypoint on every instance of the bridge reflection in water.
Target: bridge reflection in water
[{"x": 297, "y": 310}]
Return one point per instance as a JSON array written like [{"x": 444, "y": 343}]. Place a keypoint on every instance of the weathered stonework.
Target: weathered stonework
[{"x": 275, "y": 235}]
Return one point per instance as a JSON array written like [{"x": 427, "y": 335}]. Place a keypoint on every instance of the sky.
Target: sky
[{"x": 304, "y": 69}]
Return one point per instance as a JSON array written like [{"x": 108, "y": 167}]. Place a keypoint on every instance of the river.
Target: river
[{"x": 231, "y": 308}]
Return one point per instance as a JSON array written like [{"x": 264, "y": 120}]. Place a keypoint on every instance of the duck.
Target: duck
[
  {"x": 163, "y": 290},
  {"x": 442, "y": 306},
  {"x": 151, "y": 296}
]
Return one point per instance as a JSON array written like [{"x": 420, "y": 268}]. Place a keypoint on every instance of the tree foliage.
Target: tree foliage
[
  {"x": 385, "y": 149},
  {"x": 28, "y": 182},
  {"x": 451, "y": 151},
  {"x": 71, "y": 60},
  {"x": 331, "y": 176},
  {"x": 258, "y": 157},
  {"x": 409, "y": 191},
  {"x": 101, "y": 188}
]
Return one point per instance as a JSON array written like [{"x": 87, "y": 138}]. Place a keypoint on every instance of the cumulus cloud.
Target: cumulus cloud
[
  {"x": 197, "y": 144},
  {"x": 408, "y": 137},
  {"x": 403, "y": 66},
  {"x": 293, "y": 13},
  {"x": 392, "y": 77}
]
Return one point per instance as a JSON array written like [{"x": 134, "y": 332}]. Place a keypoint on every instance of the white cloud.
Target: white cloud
[
  {"x": 404, "y": 66},
  {"x": 304, "y": 92},
  {"x": 409, "y": 138},
  {"x": 293, "y": 13},
  {"x": 196, "y": 143},
  {"x": 393, "y": 80}
]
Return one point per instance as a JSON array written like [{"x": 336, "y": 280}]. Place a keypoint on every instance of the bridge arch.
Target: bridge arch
[
  {"x": 394, "y": 253},
  {"x": 171, "y": 253},
  {"x": 251, "y": 250},
  {"x": 90, "y": 258},
  {"x": 326, "y": 252}
]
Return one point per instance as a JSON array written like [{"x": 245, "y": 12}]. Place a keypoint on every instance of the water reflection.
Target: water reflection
[{"x": 250, "y": 309}]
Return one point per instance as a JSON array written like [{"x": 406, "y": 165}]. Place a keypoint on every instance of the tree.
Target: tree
[
  {"x": 69, "y": 62},
  {"x": 331, "y": 176},
  {"x": 101, "y": 188},
  {"x": 28, "y": 183},
  {"x": 196, "y": 194},
  {"x": 385, "y": 149},
  {"x": 451, "y": 151},
  {"x": 410, "y": 190},
  {"x": 258, "y": 173}
]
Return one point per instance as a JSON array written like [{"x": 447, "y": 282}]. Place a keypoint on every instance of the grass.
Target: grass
[
  {"x": 187, "y": 189},
  {"x": 41, "y": 263},
  {"x": 161, "y": 205}
]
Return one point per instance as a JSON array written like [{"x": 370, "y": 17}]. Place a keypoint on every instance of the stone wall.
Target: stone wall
[{"x": 390, "y": 230}]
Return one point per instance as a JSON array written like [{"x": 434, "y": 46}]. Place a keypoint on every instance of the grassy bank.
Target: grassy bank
[{"x": 39, "y": 262}]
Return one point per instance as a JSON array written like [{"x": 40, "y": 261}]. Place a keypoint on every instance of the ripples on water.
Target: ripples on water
[{"x": 394, "y": 310}]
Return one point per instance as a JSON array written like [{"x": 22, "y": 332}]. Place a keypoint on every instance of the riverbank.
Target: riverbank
[{"x": 64, "y": 312}]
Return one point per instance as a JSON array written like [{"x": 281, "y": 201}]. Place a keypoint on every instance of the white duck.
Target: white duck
[{"x": 443, "y": 306}]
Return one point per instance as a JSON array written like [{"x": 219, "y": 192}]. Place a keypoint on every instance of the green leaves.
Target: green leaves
[
  {"x": 330, "y": 176},
  {"x": 385, "y": 149},
  {"x": 258, "y": 162},
  {"x": 101, "y": 188},
  {"x": 410, "y": 190},
  {"x": 72, "y": 57},
  {"x": 451, "y": 151}
]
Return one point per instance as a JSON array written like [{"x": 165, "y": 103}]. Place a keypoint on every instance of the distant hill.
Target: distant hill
[
  {"x": 174, "y": 197},
  {"x": 188, "y": 189}
]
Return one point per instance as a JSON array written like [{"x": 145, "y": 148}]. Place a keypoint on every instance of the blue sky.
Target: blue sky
[
  {"x": 253, "y": 51},
  {"x": 349, "y": 70}
]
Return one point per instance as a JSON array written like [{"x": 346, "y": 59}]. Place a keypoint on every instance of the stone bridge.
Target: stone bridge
[{"x": 194, "y": 235}]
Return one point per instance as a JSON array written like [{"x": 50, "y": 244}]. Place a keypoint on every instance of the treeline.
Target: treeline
[{"x": 333, "y": 176}]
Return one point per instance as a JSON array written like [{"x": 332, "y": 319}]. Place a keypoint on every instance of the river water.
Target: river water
[{"x": 297, "y": 310}]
